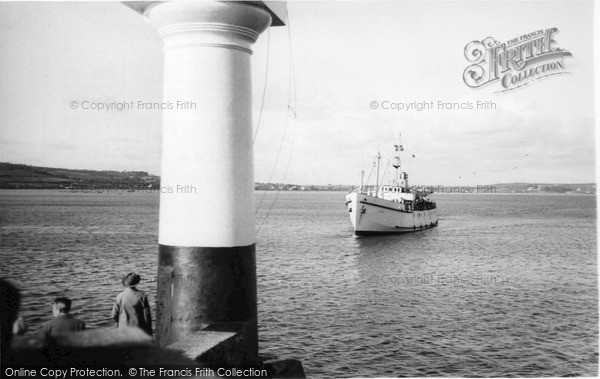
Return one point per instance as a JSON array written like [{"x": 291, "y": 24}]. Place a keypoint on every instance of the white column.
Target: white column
[
  {"x": 207, "y": 162},
  {"x": 207, "y": 269}
]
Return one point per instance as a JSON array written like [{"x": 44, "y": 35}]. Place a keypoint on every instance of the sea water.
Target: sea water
[{"x": 506, "y": 285}]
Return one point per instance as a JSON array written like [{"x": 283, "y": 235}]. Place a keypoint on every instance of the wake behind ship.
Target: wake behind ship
[{"x": 390, "y": 208}]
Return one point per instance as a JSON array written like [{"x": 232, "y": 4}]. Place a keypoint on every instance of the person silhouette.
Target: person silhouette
[
  {"x": 131, "y": 306},
  {"x": 62, "y": 322}
]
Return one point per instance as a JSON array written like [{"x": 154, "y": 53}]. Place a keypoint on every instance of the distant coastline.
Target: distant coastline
[{"x": 20, "y": 176}]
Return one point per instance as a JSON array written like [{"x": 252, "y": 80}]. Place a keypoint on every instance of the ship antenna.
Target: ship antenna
[
  {"x": 362, "y": 177},
  {"x": 385, "y": 171},
  {"x": 377, "y": 179},
  {"x": 397, "y": 164}
]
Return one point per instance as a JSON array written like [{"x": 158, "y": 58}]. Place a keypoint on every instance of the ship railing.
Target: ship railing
[
  {"x": 424, "y": 205},
  {"x": 366, "y": 190}
]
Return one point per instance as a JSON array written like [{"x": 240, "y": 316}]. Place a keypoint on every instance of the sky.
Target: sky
[{"x": 320, "y": 76}]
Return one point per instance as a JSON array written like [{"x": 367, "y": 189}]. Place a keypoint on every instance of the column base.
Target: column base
[{"x": 208, "y": 289}]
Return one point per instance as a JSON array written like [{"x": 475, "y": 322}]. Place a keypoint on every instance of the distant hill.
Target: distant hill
[
  {"x": 584, "y": 188},
  {"x": 575, "y": 188},
  {"x": 19, "y": 176},
  {"x": 300, "y": 187}
]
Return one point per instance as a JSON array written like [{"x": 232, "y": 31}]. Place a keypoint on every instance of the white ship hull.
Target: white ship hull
[{"x": 373, "y": 215}]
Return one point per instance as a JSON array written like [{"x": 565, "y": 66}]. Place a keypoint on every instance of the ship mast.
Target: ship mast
[
  {"x": 398, "y": 147},
  {"x": 362, "y": 176},
  {"x": 377, "y": 179}
]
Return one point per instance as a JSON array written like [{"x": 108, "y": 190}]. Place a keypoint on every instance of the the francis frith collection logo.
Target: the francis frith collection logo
[{"x": 514, "y": 63}]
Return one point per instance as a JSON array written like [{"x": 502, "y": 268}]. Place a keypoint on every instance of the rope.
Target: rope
[
  {"x": 289, "y": 112},
  {"x": 262, "y": 104}
]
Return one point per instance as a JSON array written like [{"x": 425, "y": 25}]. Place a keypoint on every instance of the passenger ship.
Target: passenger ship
[{"x": 390, "y": 208}]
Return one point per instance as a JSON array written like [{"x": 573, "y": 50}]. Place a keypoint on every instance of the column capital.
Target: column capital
[
  {"x": 277, "y": 9},
  {"x": 234, "y": 25}
]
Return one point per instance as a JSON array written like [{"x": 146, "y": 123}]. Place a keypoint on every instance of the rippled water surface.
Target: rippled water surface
[{"x": 506, "y": 285}]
